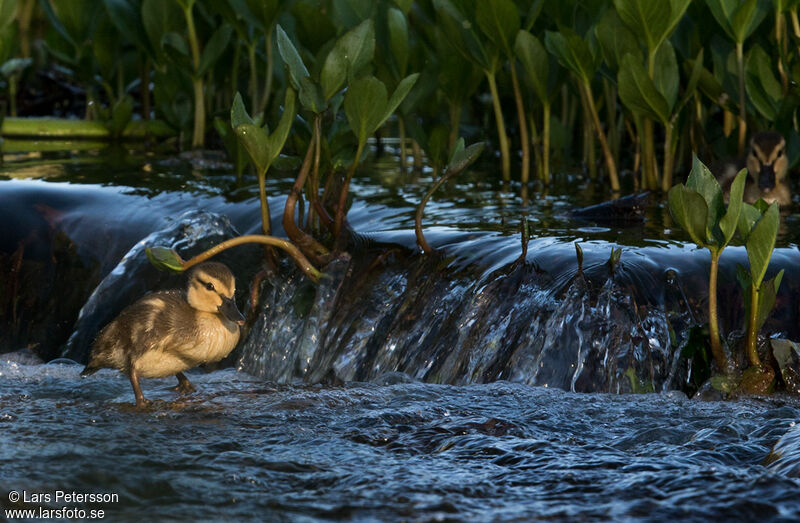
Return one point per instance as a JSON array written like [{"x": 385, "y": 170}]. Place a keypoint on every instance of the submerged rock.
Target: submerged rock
[{"x": 192, "y": 233}]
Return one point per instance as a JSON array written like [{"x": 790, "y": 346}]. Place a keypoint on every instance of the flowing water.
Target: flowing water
[{"x": 476, "y": 383}]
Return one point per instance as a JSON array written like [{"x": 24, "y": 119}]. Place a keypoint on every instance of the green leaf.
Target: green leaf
[
  {"x": 214, "y": 48},
  {"x": 239, "y": 114},
  {"x": 159, "y": 18},
  {"x": 689, "y": 209},
  {"x": 639, "y": 93},
  {"x": 397, "y": 97},
  {"x": 364, "y": 104},
  {"x": 763, "y": 89},
  {"x": 350, "y": 54},
  {"x": 8, "y": 11},
  {"x": 667, "y": 76},
  {"x": 398, "y": 39},
  {"x": 535, "y": 62},
  {"x": 747, "y": 220},
  {"x": 264, "y": 12},
  {"x": 736, "y": 17},
  {"x": 176, "y": 50},
  {"x": 127, "y": 19},
  {"x": 647, "y": 18},
  {"x": 616, "y": 40},
  {"x": 463, "y": 157},
  {"x": 277, "y": 139},
  {"x": 499, "y": 20},
  {"x": 164, "y": 259},
  {"x": 455, "y": 19},
  {"x": 761, "y": 242},
  {"x": 730, "y": 221},
  {"x": 404, "y": 5},
  {"x": 767, "y": 296},
  {"x": 256, "y": 144},
  {"x": 573, "y": 52},
  {"x": 121, "y": 115},
  {"x": 290, "y": 56},
  {"x": 701, "y": 180}
]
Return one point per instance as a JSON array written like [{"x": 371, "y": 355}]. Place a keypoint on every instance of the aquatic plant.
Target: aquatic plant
[
  {"x": 699, "y": 209},
  {"x": 758, "y": 227},
  {"x": 165, "y": 258},
  {"x": 460, "y": 159},
  {"x": 638, "y": 71},
  {"x": 262, "y": 147}
]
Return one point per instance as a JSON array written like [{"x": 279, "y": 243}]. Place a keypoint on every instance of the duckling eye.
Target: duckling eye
[
  {"x": 210, "y": 286},
  {"x": 780, "y": 153}
]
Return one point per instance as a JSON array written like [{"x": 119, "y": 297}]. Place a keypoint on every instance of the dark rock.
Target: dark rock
[
  {"x": 191, "y": 234},
  {"x": 622, "y": 210}
]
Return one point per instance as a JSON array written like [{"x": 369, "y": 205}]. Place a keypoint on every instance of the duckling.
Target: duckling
[
  {"x": 167, "y": 332},
  {"x": 767, "y": 166}
]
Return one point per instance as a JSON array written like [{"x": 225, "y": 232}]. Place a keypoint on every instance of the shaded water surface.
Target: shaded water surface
[{"x": 243, "y": 448}]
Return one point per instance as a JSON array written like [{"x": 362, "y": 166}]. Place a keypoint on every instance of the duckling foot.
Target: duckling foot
[
  {"x": 141, "y": 402},
  {"x": 184, "y": 386}
]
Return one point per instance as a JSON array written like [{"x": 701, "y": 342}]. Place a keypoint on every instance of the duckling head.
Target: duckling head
[
  {"x": 767, "y": 162},
  {"x": 211, "y": 288}
]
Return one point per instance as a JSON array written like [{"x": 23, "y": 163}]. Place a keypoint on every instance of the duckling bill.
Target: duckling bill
[{"x": 167, "y": 332}]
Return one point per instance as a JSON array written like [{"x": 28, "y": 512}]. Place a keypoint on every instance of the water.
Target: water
[
  {"x": 405, "y": 386},
  {"x": 244, "y": 448}
]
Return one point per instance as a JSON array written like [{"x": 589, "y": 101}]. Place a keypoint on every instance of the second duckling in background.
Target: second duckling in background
[{"x": 767, "y": 166}]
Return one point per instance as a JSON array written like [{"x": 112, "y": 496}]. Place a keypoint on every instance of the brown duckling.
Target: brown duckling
[
  {"x": 167, "y": 332},
  {"x": 767, "y": 166}
]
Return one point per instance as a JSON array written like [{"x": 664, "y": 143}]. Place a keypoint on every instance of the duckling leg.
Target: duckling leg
[
  {"x": 184, "y": 385},
  {"x": 137, "y": 390}
]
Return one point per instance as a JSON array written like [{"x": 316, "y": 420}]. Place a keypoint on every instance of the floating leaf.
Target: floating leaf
[{"x": 165, "y": 259}]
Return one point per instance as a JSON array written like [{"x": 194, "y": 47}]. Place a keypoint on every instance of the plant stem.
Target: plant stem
[
  {"x": 598, "y": 127},
  {"x": 669, "y": 158},
  {"x": 455, "y": 123},
  {"x": 501, "y": 126},
  {"x": 314, "y": 184},
  {"x": 742, "y": 98},
  {"x": 713, "y": 326},
  {"x": 649, "y": 160},
  {"x": 752, "y": 321},
  {"x": 302, "y": 262},
  {"x": 421, "y": 241},
  {"x": 401, "y": 130},
  {"x": 262, "y": 194},
  {"x": 340, "y": 211},
  {"x": 546, "y": 143},
  {"x": 523, "y": 126},
  {"x": 198, "y": 137},
  {"x": 306, "y": 242}
]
